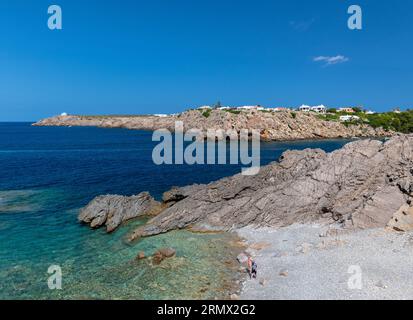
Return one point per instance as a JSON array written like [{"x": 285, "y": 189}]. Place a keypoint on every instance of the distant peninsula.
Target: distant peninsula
[{"x": 283, "y": 125}]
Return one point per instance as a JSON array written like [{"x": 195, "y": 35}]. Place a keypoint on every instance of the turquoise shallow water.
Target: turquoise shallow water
[
  {"x": 47, "y": 174},
  {"x": 100, "y": 266},
  {"x": 96, "y": 265}
]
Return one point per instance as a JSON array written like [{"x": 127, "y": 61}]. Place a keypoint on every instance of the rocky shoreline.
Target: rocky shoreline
[
  {"x": 279, "y": 126},
  {"x": 368, "y": 184}
]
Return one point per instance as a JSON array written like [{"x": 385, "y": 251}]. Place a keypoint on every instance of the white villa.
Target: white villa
[
  {"x": 64, "y": 114},
  {"x": 250, "y": 108},
  {"x": 205, "y": 108},
  {"x": 304, "y": 108},
  {"x": 348, "y": 118},
  {"x": 276, "y": 109},
  {"x": 347, "y": 109},
  {"x": 319, "y": 109}
]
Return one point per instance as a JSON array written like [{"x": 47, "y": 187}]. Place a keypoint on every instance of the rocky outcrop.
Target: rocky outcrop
[
  {"x": 113, "y": 210},
  {"x": 284, "y": 125},
  {"x": 128, "y": 122},
  {"x": 403, "y": 219},
  {"x": 362, "y": 185}
]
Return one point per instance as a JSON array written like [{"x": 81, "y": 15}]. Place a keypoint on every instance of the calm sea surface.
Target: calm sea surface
[{"x": 47, "y": 174}]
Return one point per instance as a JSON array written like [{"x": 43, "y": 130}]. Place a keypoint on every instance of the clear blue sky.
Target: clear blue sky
[{"x": 157, "y": 56}]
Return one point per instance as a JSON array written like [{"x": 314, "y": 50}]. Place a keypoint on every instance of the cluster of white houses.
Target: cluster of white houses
[
  {"x": 304, "y": 108},
  {"x": 347, "y": 113},
  {"x": 256, "y": 107},
  {"x": 321, "y": 109},
  {"x": 246, "y": 108}
]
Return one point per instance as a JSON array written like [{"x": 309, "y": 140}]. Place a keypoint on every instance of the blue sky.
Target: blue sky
[{"x": 124, "y": 57}]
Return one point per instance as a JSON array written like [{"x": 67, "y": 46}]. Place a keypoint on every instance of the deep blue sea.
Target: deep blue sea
[{"x": 48, "y": 173}]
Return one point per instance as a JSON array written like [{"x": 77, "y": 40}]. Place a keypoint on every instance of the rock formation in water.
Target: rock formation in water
[
  {"x": 163, "y": 254},
  {"x": 367, "y": 183},
  {"x": 285, "y": 125},
  {"x": 113, "y": 210}
]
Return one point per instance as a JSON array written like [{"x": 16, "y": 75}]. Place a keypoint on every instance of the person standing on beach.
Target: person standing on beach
[
  {"x": 249, "y": 266},
  {"x": 252, "y": 268}
]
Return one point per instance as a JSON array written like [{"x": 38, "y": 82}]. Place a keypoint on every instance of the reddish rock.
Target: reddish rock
[{"x": 140, "y": 256}]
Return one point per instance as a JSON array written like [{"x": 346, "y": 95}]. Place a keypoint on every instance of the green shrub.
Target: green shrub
[
  {"x": 329, "y": 117},
  {"x": 233, "y": 111},
  {"x": 206, "y": 113},
  {"x": 399, "y": 122}
]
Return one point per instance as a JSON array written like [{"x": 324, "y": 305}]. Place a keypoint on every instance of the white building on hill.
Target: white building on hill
[
  {"x": 347, "y": 110},
  {"x": 205, "y": 108},
  {"x": 348, "y": 118},
  {"x": 304, "y": 108},
  {"x": 277, "y": 109},
  {"x": 319, "y": 109},
  {"x": 257, "y": 107}
]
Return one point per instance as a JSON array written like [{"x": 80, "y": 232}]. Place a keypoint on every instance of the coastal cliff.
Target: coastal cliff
[
  {"x": 285, "y": 125},
  {"x": 366, "y": 184}
]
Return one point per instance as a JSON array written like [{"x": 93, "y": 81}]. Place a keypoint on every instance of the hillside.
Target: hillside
[{"x": 284, "y": 125}]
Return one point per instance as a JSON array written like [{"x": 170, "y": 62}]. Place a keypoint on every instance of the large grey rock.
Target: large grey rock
[
  {"x": 113, "y": 210},
  {"x": 361, "y": 185}
]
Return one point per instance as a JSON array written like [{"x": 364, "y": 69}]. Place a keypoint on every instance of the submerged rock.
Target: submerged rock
[
  {"x": 113, "y": 210},
  {"x": 167, "y": 252},
  {"x": 163, "y": 254},
  {"x": 361, "y": 185},
  {"x": 140, "y": 256}
]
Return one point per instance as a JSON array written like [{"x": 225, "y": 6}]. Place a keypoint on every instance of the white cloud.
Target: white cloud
[{"x": 331, "y": 60}]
